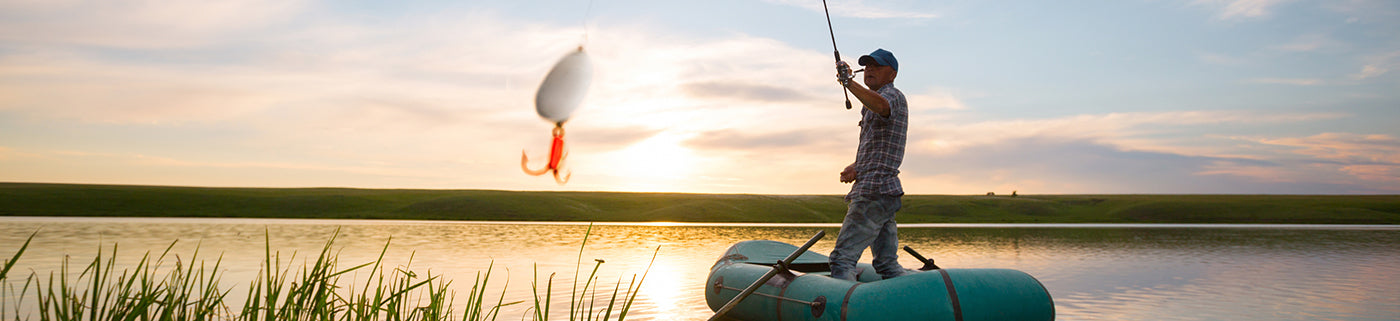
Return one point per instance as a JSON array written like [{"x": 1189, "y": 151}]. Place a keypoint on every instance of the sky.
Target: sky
[{"x": 725, "y": 96}]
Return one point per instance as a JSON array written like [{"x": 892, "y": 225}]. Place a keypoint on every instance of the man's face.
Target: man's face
[{"x": 877, "y": 76}]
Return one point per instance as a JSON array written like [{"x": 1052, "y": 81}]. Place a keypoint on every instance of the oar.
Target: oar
[
  {"x": 928, "y": 263},
  {"x": 779, "y": 267}
]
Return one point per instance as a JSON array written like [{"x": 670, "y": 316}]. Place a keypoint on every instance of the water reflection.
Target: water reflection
[{"x": 1094, "y": 273}]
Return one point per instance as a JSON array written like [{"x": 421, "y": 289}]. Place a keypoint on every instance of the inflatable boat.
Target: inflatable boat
[{"x": 800, "y": 288}]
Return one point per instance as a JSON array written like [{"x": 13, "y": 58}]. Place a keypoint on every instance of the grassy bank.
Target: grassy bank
[
  {"x": 286, "y": 290},
  {"x": 25, "y": 199}
]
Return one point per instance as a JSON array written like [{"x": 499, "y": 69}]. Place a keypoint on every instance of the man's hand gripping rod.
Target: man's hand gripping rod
[{"x": 836, "y": 51}]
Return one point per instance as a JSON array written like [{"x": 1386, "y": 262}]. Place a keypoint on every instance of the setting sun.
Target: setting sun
[{"x": 657, "y": 163}]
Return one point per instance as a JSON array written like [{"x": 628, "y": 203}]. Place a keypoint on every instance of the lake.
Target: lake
[{"x": 1093, "y": 272}]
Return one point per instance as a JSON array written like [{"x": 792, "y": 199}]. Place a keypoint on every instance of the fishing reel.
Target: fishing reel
[{"x": 844, "y": 75}]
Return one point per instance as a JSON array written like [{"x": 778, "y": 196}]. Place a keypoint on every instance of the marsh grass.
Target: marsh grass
[
  {"x": 157, "y": 289},
  {"x": 583, "y": 301}
]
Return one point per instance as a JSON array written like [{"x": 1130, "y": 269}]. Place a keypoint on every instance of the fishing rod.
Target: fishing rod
[{"x": 836, "y": 51}]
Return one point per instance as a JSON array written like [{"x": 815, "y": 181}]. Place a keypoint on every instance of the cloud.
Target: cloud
[
  {"x": 395, "y": 104},
  {"x": 1364, "y": 11},
  {"x": 1378, "y": 65},
  {"x": 1116, "y": 152},
  {"x": 1236, "y": 9},
  {"x": 1311, "y": 42},
  {"x": 858, "y": 9},
  {"x": 1345, "y": 146},
  {"x": 935, "y": 99},
  {"x": 1043, "y": 164},
  {"x": 445, "y": 100},
  {"x": 7, "y": 153},
  {"x": 1221, "y": 59},
  {"x": 1370, "y": 71},
  {"x": 764, "y": 142},
  {"x": 746, "y": 91},
  {"x": 70, "y": 87},
  {"x": 1114, "y": 129},
  {"x": 1288, "y": 81},
  {"x": 142, "y": 24},
  {"x": 1037, "y": 164},
  {"x": 85, "y": 167},
  {"x": 607, "y": 138},
  {"x": 1340, "y": 158}
]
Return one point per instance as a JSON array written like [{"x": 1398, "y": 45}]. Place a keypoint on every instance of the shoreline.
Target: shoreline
[
  {"x": 344, "y": 221},
  {"x": 76, "y": 200}
]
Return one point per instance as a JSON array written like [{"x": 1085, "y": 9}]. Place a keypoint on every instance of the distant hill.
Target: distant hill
[{"x": 31, "y": 199}]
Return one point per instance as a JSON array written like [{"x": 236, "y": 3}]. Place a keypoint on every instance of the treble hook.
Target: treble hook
[{"x": 556, "y": 157}]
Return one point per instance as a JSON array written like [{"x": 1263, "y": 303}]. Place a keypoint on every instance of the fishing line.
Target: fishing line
[{"x": 587, "y": 15}]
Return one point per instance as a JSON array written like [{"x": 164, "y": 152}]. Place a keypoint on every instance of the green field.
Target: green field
[{"x": 27, "y": 199}]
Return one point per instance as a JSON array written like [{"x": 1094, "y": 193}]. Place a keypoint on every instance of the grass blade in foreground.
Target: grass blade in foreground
[{"x": 150, "y": 290}]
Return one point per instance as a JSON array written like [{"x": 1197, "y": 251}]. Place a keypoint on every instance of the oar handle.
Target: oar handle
[
  {"x": 928, "y": 263},
  {"x": 766, "y": 276},
  {"x": 915, "y": 254}
]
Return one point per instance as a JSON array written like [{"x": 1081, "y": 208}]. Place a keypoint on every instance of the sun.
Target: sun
[{"x": 659, "y": 163}]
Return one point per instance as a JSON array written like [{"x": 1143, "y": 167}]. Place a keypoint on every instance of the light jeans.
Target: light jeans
[{"x": 869, "y": 223}]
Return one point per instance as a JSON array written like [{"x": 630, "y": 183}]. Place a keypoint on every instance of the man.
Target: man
[{"x": 875, "y": 196}]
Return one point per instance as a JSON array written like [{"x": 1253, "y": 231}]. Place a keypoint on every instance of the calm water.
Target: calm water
[{"x": 1101, "y": 272}]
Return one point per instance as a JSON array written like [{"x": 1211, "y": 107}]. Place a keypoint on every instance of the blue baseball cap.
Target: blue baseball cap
[{"x": 880, "y": 57}]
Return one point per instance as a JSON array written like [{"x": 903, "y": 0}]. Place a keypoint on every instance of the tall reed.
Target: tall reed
[
  {"x": 581, "y": 308},
  {"x": 282, "y": 290},
  {"x": 187, "y": 292}
]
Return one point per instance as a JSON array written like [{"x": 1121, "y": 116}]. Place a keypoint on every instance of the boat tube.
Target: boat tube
[{"x": 803, "y": 290}]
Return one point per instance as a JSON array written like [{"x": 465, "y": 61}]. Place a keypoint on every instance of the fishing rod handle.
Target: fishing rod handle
[{"x": 837, "y": 54}]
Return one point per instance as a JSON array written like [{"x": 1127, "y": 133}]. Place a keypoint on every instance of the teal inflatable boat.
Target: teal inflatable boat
[{"x": 802, "y": 290}]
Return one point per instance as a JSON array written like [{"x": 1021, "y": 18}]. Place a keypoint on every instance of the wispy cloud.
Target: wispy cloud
[
  {"x": 1115, "y": 129},
  {"x": 746, "y": 91},
  {"x": 935, "y": 99},
  {"x": 1236, "y": 9},
  {"x": 1220, "y": 59},
  {"x": 141, "y": 24},
  {"x": 1370, "y": 71},
  {"x": 1346, "y": 147},
  {"x": 765, "y": 142},
  {"x": 1097, "y": 153},
  {"x": 1340, "y": 158},
  {"x": 1034, "y": 165},
  {"x": 1311, "y": 42},
  {"x": 1365, "y": 11},
  {"x": 1378, "y": 65},
  {"x": 1288, "y": 81},
  {"x": 860, "y": 9},
  {"x": 78, "y": 88}
]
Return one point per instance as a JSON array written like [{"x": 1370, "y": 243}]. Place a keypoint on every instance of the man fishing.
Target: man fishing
[{"x": 875, "y": 195}]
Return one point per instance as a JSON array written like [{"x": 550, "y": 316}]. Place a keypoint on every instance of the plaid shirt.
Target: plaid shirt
[{"x": 881, "y": 147}]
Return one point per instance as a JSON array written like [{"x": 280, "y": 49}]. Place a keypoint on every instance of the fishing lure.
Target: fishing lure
[
  {"x": 559, "y": 95},
  {"x": 556, "y": 157}
]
